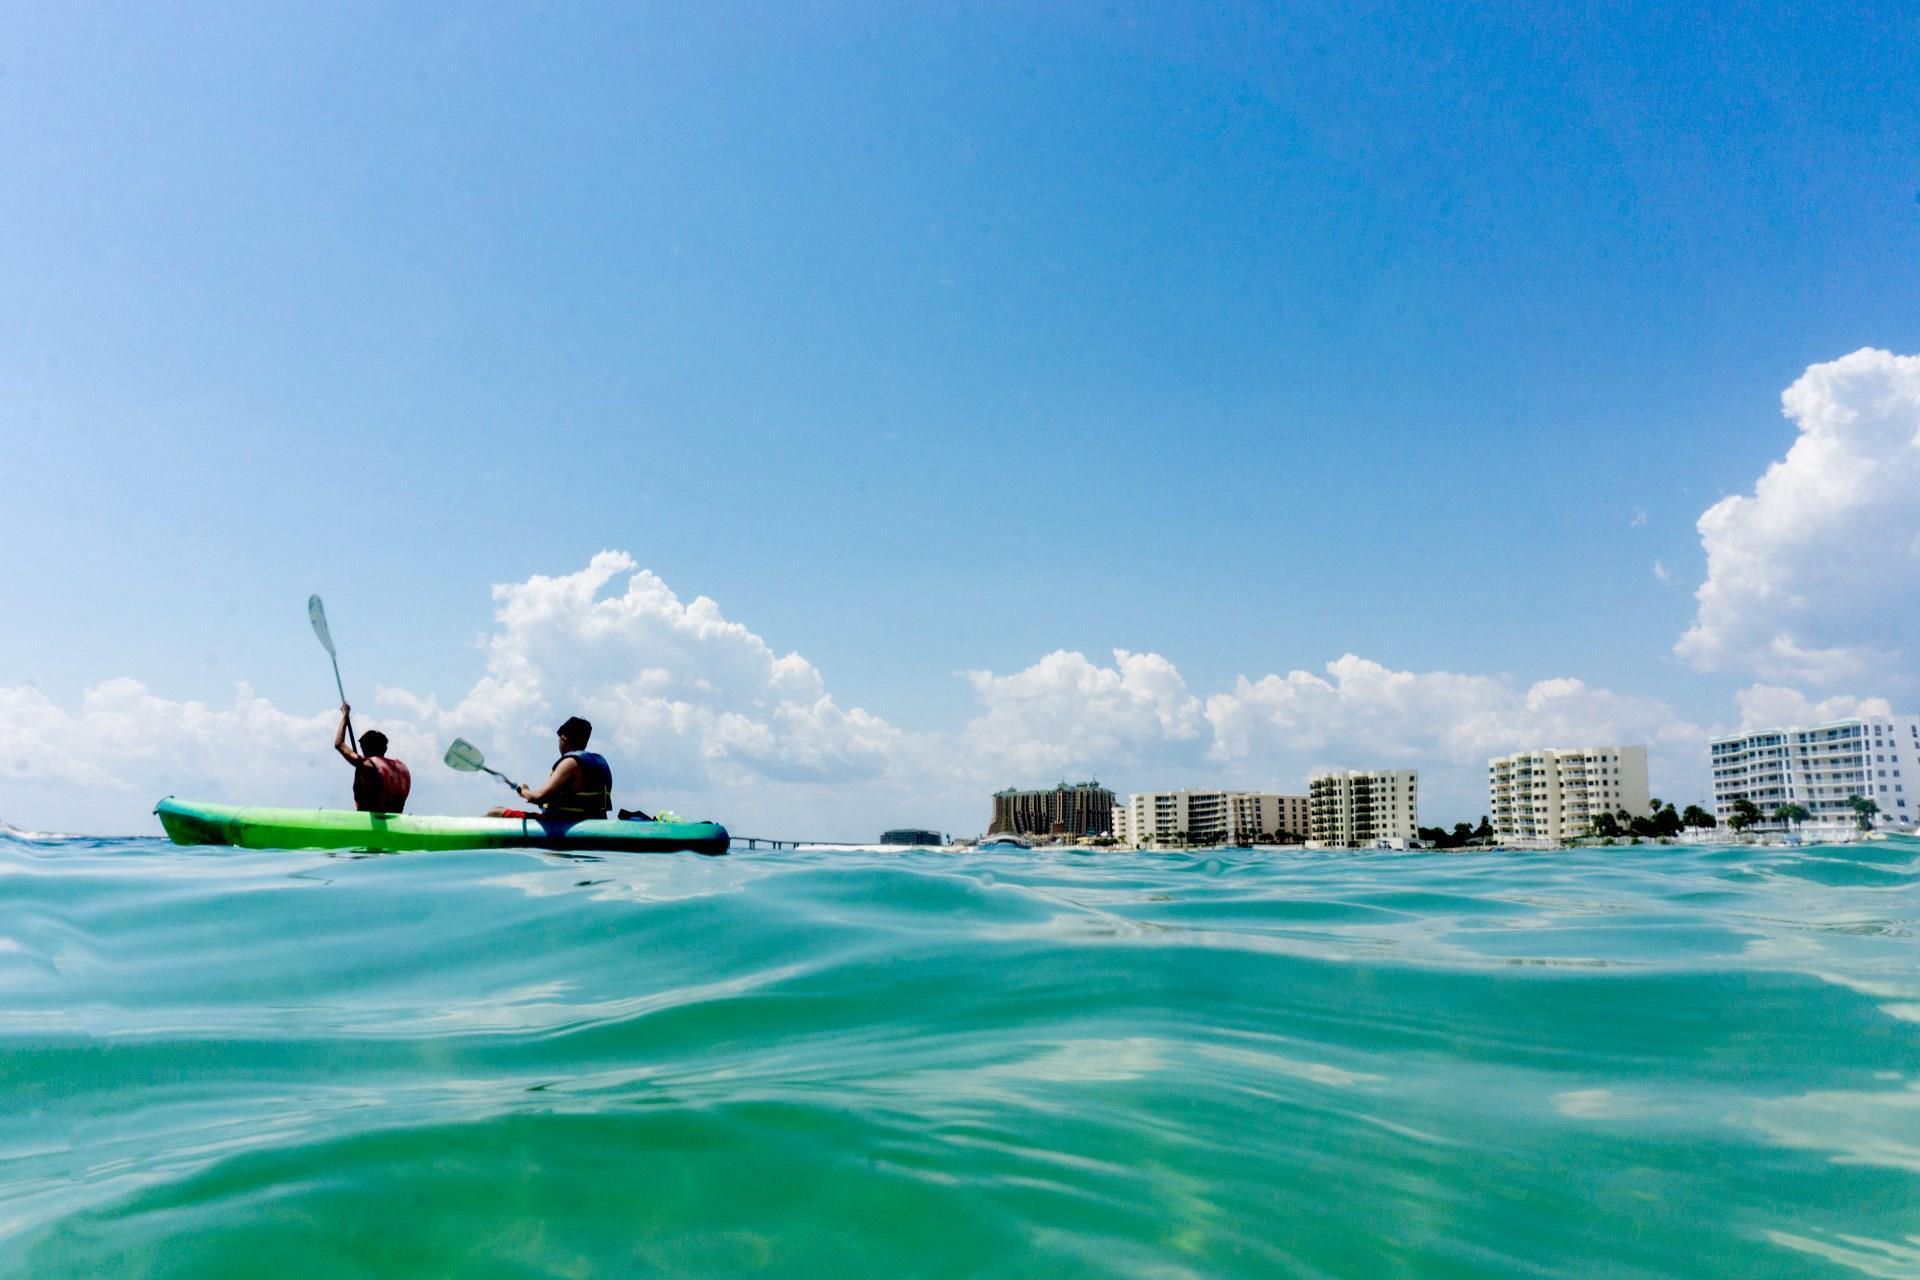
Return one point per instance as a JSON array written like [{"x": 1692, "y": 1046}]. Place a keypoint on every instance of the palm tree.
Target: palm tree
[
  {"x": 1791, "y": 814},
  {"x": 1863, "y": 810},
  {"x": 1744, "y": 813}
]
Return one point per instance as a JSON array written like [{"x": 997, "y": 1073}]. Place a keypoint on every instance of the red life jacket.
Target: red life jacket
[{"x": 381, "y": 785}]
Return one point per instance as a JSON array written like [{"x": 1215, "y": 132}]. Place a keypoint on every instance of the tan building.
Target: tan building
[
  {"x": 1156, "y": 819},
  {"x": 1546, "y": 796},
  {"x": 1364, "y": 808},
  {"x": 1077, "y": 809}
]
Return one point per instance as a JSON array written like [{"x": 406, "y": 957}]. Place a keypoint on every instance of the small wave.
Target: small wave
[
  {"x": 902, "y": 1063},
  {"x": 10, "y": 832}
]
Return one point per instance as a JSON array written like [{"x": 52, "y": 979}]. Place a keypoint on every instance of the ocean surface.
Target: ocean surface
[{"x": 1620, "y": 1062}]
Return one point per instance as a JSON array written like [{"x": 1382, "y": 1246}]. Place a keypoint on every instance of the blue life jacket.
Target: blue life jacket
[{"x": 593, "y": 797}]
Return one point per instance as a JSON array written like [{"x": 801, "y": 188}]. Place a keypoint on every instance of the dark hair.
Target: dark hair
[
  {"x": 373, "y": 743},
  {"x": 577, "y": 729}
]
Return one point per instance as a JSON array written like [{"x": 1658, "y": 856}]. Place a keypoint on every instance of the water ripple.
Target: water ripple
[{"x": 1619, "y": 1062}]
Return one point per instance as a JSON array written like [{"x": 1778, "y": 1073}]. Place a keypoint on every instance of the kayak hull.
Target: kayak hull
[{"x": 192, "y": 822}]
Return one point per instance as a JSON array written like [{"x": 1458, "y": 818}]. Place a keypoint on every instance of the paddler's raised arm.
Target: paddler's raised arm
[{"x": 351, "y": 756}]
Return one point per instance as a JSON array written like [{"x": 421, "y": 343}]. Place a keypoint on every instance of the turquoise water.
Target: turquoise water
[{"x": 1627, "y": 1062}]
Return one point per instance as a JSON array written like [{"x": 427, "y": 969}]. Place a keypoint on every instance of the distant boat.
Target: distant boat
[{"x": 1003, "y": 839}]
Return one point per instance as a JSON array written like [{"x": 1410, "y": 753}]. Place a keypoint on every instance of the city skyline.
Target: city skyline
[{"x": 861, "y": 411}]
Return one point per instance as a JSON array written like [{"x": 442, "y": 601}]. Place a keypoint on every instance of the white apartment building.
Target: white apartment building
[
  {"x": 1151, "y": 819},
  {"x": 1820, "y": 768},
  {"x": 1546, "y": 796},
  {"x": 1363, "y": 809}
]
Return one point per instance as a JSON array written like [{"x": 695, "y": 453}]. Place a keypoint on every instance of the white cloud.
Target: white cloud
[
  {"x": 1661, "y": 572},
  {"x": 698, "y": 707},
  {"x": 125, "y": 739},
  {"x": 1815, "y": 575},
  {"x": 1137, "y": 723},
  {"x": 1767, "y": 706},
  {"x": 703, "y": 699},
  {"x": 701, "y": 715},
  {"x": 1066, "y": 714},
  {"x": 1362, "y": 714}
]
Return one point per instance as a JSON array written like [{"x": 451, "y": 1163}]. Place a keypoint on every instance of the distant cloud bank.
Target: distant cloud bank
[
  {"x": 702, "y": 714},
  {"x": 1811, "y": 579}
]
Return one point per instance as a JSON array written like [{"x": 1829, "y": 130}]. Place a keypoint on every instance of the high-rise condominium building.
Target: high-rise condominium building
[
  {"x": 1156, "y": 818},
  {"x": 1552, "y": 795},
  {"x": 1820, "y": 768},
  {"x": 1360, "y": 809},
  {"x": 1077, "y": 809}
]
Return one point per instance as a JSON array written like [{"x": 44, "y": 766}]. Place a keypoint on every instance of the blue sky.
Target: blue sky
[{"x": 925, "y": 342}]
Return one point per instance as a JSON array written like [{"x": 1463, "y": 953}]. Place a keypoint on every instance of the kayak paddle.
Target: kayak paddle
[
  {"x": 466, "y": 757},
  {"x": 317, "y": 615}
]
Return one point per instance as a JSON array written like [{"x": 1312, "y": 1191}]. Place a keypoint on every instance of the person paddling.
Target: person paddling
[
  {"x": 581, "y": 784},
  {"x": 380, "y": 784}
]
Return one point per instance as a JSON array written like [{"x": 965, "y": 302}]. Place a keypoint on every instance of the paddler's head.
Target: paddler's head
[
  {"x": 574, "y": 734},
  {"x": 373, "y": 743}
]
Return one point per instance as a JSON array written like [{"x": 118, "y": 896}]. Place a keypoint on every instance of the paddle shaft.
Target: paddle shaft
[
  {"x": 503, "y": 777},
  {"x": 341, "y": 689},
  {"x": 317, "y": 615}
]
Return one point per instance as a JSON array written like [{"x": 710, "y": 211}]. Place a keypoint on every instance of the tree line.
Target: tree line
[
  {"x": 1461, "y": 835},
  {"x": 1745, "y": 813},
  {"x": 1660, "y": 820}
]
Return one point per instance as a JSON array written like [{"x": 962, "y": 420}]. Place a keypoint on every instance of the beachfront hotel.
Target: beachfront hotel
[
  {"x": 1820, "y": 768},
  {"x": 1077, "y": 809},
  {"x": 1364, "y": 809},
  {"x": 1152, "y": 819},
  {"x": 1546, "y": 796}
]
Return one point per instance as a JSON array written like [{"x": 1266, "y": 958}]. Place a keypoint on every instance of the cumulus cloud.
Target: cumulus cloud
[
  {"x": 1814, "y": 575},
  {"x": 1767, "y": 706},
  {"x": 700, "y": 704},
  {"x": 1138, "y": 720},
  {"x": 126, "y": 739},
  {"x": 125, "y": 747},
  {"x": 1067, "y": 714},
  {"x": 701, "y": 714},
  {"x": 1361, "y": 713},
  {"x": 704, "y": 698}
]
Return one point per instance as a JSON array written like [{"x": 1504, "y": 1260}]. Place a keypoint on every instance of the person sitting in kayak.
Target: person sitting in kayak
[
  {"x": 581, "y": 784},
  {"x": 380, "y": 784}
]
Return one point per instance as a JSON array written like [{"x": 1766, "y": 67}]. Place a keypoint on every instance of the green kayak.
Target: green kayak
[{"x": 190, "y": 822}]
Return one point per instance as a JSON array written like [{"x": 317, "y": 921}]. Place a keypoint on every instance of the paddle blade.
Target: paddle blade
[
  {"x": 465, "y": 757},
  {"x": 317, "y": 615}
]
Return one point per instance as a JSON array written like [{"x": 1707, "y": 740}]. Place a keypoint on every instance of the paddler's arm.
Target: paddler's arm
[
  {"x": 351, "y": 756},
  {"x": 562, "y": 781}
]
